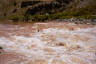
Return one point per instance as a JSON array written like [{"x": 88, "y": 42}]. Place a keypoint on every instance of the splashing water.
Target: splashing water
[{"x": 54, "y": 44}]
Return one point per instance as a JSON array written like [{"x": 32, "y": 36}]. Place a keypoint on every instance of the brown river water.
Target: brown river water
[{"x": 48, "y": 43}]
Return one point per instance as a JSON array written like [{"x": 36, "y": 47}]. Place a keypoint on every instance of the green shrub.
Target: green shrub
[
  {"x": 15, "y": 18},
  {"x": 86, "y": 13},
  {"x": 54, "y": 16},
  {"x": 38, "y": 17},
  {"x": 79, "y": 12},
  {"x": 35, "y": 17},
  {"x": 43, "y": 17},
  {"x": 27, "y": 17}
]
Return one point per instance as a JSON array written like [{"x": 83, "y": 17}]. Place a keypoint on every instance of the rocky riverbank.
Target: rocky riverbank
[{"x": 78, "y": 21}]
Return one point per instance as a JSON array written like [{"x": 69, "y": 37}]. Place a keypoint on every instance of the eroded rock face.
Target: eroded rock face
[
  {"x": 54, "y": 43},
  {"x": 28, "y": 3},
  {"x": 49, "y": 7}
]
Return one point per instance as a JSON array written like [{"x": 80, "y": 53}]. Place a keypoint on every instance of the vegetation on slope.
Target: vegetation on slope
[{"x": 40, "y": 10}]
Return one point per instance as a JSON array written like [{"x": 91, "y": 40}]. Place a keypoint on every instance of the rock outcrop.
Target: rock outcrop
[{"x": 30, "y": 7}]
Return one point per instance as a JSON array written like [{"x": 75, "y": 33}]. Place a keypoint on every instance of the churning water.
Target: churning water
[{"x": 55, "y": 43}]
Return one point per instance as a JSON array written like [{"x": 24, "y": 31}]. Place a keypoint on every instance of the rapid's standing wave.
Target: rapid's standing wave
[{"x": 51, "y": 43}]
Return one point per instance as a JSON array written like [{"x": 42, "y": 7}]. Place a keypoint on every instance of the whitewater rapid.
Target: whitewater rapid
[{"x": 55, "y": 45}]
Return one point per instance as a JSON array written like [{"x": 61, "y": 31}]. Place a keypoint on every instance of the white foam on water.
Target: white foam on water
[{"x": 34, "y": 46}]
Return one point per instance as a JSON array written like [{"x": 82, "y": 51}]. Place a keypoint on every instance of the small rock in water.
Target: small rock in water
[
  {"x": 1, "y": 48},
  {"x": 38, "y": 30}
]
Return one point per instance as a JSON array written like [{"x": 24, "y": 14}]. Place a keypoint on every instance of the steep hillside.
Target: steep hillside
[{"x": 23, "y": 9}]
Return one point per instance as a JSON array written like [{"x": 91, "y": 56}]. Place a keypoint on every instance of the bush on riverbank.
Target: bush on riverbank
[
  {"x": 15, "y": 18},
  {"x": 85, "y": 13}
]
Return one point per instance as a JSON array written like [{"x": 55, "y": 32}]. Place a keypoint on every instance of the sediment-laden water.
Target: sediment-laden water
[{"x": 49, "y": 43}]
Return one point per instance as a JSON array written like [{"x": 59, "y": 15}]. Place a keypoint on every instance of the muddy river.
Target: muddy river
[{"x": 48, "y": 43}]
